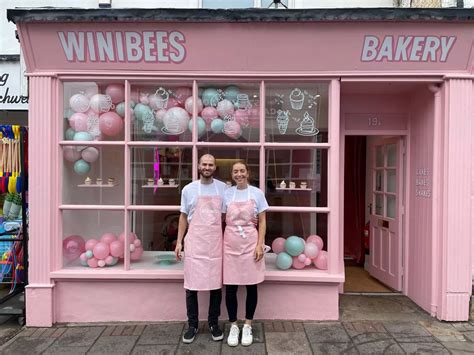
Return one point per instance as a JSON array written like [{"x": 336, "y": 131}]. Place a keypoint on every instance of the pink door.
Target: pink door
[{"x": 386, "y": 191}]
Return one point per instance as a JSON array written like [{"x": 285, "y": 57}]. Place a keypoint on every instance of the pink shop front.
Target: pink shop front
[{"x": 346, "y": 125}]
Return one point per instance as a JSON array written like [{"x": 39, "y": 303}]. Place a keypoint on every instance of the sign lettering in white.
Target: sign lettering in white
[
  {"x": 128, "y": 46},
  {"x": 407, "y": 48},
  {"x": 422, "y": 183},
  {"x": 11, "y": 97}
]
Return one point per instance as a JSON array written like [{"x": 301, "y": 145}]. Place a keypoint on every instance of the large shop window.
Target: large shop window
[{"x": 128, "y": 148}]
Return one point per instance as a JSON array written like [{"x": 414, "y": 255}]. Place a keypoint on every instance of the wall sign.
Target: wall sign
[
  {"x": 422, "y": 183},
  {"x": 10, "y": 87}
]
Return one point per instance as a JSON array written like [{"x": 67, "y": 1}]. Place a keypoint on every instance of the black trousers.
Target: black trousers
[
  {"x": 231, "y": 301},
  {"x": 192, "y": 307}
]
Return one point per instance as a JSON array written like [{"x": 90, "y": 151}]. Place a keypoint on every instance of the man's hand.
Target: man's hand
[
  {"x": 177, "y": 251},
  {"x": 259, "y": 252}
]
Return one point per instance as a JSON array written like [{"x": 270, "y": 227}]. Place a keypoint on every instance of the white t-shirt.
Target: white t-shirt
[
  {"x": 253, "y": 192},
  {"x": 190, "y": 193}
]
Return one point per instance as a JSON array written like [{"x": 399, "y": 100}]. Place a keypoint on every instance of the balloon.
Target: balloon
[
  {"x": 181, "y": 94},
  {"x": 69, "y": 135},
  {"x": 73, "y": 247},
  {"x": 81, "y": 167},
  {"x": 188, "y": 105},
  {"x": 120, "y": 109},
  {"x": 142, "y": 111},
  {"x": 110, "y": 124},
  {"x": 278, "y": 245},
  {"x": 200, "y": 124},
  {"x": 108, "y": 238},
  {"x": 68, "y": 113},
  {"x": 232, "y": 129},
  {"x": 157, "y": 102},
  {"x": 116, "y": 92},
  {"x": 316, "y": 239},
  {"x": 231, "y": 92},
  {"x": 79, "y": 103},
  {"x": 225, "y": 108},
  {"x": 78, "y": 121},
  {"x": 321, "y": 261},
  {"x": 116, "y": 248},
  {"x": 307, "y": 262},
  {"x": 284, "y": 261},
  {"x": 132, "y": 247},
  {"x": 83, "y": 256},
  {"x": 297, "y": 264},
  {"x": 90, "y": 244},
  {"x": 131, "y": 237},
  {"x": 311, "y": 250},
  {"x": 176, "y": 120},
  {"x": 208, "y": 114},
  {"x": 101, "y": 250},
  {"x": 136, "y": 254},
  {"x": 91, "y": 91},
  {"x": 101, "y": 263},
  {"x": 90, "y": 154},
  {"x": 242, "y": 117},
  {"x": 159, "y": 115},
  {"x": 83, "y": 136},
  {"x": 217, "y": 125},
  {"x": 101, "y": 103},
  {"x": 301, "y": 257},
  {"x": 93, "y": 262},
  {"x": 210, "y": 97},
  {"x": 83, "y": 262},
  {"x": 71, "y": 153},
  {"x": 254, "y": 117},
  {"x": 294, "y": 245},
  {"x": 109, "y": 260},
  {"x": 137, "y": 242}
]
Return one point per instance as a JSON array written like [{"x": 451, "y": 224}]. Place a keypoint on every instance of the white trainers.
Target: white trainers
[
  {"x": 233, "y": 338},
  {"x": 247, "y": 337}
]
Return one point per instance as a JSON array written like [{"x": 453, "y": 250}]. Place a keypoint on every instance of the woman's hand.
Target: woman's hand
[
  {"x": 177, "y": 251},
  {"x": 259, "y": 252}
]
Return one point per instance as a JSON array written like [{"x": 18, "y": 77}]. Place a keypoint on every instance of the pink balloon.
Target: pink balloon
[
  {"x": 144, "y": 98},
  {"x": 109, "y": 260},
  {"x": 73, "y": 247},
  {"x": 116, "y": 92},
  {"x": 208, "y": 114},
  {"x": 181, "y": 94},
  {"x": 159, "y": 115},
  {"x": 321, "y": 261},
  {"x": 79, "y": 117},
  {"x": 90, "y": 154},
  {"x": 242, "y": 117},
  {"x": 134, "y": 96},
  {"x": 101, "y": 250},
  {"x": 316, "y": 239},
  {"x": 100, "y": 103},
  {"x": 101, "y": 263},
  {"x": 117, "y": 249},
  {"x": 176, "y": 120},
  {"x": 137, "y": 242},
  {"x": 311, "y": 250},
  {"x": 83, "y": 257},
  {"x": 254, "y": 117},
  {"x": 71, "y": 153},
  {"x": 157, "y": 102},
  {"x": 79, "y": 103},
  {"x": 232, "y": 129},
  {"x": 108, "y": 238},
  {"x": 110, "y": 123},
  {"x": 307, "y": 262},
  {"x": 131, "y": 238},
  {"x": 225, "y": 108},
  {"x": 278, "y": 245},
  {"x": 93, "y": 262},
  {"x": 136, "y": 254},
  {"x": 90, "y": 244},
  {"x": 302, "y": 258},
  {"x": 297, "y": 264},
  {"x": 188, "y": 105},
  {"x": 172, "y": 102}
]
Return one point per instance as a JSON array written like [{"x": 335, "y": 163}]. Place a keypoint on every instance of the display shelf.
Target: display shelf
[
  {"x": 96, "y": 185},
  {"x": 293, "y": 189},
  {"x": 160, "y": 186}
]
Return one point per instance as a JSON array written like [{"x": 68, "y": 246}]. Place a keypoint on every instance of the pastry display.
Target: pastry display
[
  {"x": 292, "y": 185},
  {"x": 111, "y": 181},
  {"x": 160, "y": 182},
  {"x": 88, "y": 181},
  {"x": 303, "y": 185},
  {"x": 98, "y": 181},
  {"x": 172, "y": 182},
  {"x": 150, "y": 182},
  {"x": 283, "y": 184}
]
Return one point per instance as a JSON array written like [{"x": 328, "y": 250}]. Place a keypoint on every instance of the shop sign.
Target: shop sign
[
  {"x": 422, "y": 183},
  {"x": 11, "y": 97}
]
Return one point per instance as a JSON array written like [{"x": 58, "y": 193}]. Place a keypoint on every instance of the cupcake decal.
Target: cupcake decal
[
  {"x": 296, "y": 99},
  {"x": 307, "y": 127}
]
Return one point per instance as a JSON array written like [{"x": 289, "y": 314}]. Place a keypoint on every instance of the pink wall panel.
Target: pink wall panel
[{"x": 420, "y": 188}]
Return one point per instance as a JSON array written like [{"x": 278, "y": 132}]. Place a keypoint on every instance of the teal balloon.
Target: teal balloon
[
  {"x": 81, "y": 167},
  {"x": 83, "y": 262},
  {"x": 83, "y": 136},
  {"x": 69, "y": 134},
  {"x": 210, "y": 97},
  {"x": 201, "y": 124},
  {"x": 217, "y": 125},
  {"x": 231, "y": 92},
  {"x": 68, "y": 113},
  {"x": 141, "y": 111},
  {"x": 200, "y": 91},
  {"x": 89, "y": 254},
  {"x": 294, "y": 245},
  {"x": 284, "y": 261},
  {"x": 120, "y": 108}
]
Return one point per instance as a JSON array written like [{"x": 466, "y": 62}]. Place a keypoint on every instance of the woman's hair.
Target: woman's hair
[{"x": 244, "y": 163}]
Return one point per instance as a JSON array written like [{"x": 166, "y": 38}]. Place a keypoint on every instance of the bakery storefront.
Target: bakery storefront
[{"x": 333, "y": 110}]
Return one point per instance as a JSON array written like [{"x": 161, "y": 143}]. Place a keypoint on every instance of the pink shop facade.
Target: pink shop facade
[{"x": 350, "y": 120}]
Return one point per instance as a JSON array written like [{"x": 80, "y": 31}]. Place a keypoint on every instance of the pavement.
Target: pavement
[{"x": 367, "y": 325}]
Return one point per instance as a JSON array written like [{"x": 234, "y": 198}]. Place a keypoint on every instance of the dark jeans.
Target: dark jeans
[
  {"x": 192, "y": 307},
  {"x": 231, "y": 301}
]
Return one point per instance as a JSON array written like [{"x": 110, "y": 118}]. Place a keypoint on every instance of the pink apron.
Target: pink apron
[
  {"x": 203, "y": 245},
  {"x": 240, "y": 241}
]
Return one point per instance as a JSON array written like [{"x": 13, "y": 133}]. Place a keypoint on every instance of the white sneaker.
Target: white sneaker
[
  {"x": 233, "y": 338},
  {"x": 247, "y": 337}
]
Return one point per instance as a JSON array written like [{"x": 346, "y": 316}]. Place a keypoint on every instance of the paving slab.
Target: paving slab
[
  {"x": 116, "y": 345},
  {"x": 257, "y": 331},
  {"x": 409, "y": 332},
  {"x": 360, "y": 327},
  {"x": 334, "y": 348},
  {"x": 254, "y": 349},
  {"x": 424, "y": 348},
  {"x": 459, "y": 347},
  {"x": 26, "y": 345},
  {"x": 376, "y": 343},
  {"x": 66, "y": 350},
  {"x": 162, "y": 334},
  {"x": 442, "y": 331},
  {"x": 154, "y": 349},
  {"x": 287, "y": 343},
  {"x": 466, "y": 329},
  {"x": 80, "y": 336},
  {"x": 202, "y": 344},
  {"x": 326, "y": 332}
]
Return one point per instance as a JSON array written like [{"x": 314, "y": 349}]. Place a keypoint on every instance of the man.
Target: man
[{"x": 201, "y": 208}]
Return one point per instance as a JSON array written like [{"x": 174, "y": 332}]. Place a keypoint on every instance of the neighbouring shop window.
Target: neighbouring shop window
[
  {"x": 296, "y": 112},
  {"x": 159, "y": 174},
  {"x": 228, "y": 4}
]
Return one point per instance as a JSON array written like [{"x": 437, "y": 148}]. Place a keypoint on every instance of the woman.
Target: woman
[{"x": 243, "y": 248}]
